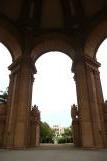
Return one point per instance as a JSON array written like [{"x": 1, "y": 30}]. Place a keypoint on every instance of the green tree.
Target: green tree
[
  {"x": 46, "y": 133},
  {"x": 66, "y": 136},
  {"x": 4, "y": 95},
  {"x": 67, "y": 132}
]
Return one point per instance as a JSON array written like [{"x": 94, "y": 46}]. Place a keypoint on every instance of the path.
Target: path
[{"x": 54, "y": 153}]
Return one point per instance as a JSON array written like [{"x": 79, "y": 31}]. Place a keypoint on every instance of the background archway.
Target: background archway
[
  {"x": 55, "y": 82},
  {"x": 5, "y": 61}
]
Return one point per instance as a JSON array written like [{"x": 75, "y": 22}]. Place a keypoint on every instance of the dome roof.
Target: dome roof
[{"x": 51, "y": 14}]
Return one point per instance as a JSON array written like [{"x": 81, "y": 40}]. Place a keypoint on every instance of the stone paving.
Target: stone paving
[{"x": 54, "y": 153}]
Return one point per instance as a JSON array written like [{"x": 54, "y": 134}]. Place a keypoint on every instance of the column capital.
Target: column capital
[
  {"x": 89, "y": 62},
  {"x": 17, "y": 64}
]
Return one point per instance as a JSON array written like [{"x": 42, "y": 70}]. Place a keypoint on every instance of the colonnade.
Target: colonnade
[{"x": 91, "y": 127}]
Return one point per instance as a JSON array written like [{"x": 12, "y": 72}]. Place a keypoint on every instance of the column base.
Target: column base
[{"x": 92, "y": 147}]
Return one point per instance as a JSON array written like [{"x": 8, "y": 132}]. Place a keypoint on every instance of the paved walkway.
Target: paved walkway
[{"x": 54, "y": 153}]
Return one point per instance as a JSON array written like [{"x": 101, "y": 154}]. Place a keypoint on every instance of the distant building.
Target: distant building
[{"x": 58, "y": 130}]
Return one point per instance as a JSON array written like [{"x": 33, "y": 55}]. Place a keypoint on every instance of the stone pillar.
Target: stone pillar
[
  {"x": 38, "y": 128},
  {"x": 19, "y": 104},
  {"x": 75, "y": 132},
  {"x": 35, "y": 127},
  {"x": 91, "y": 121},
  {"x": 75, "y": 125},
  {"x": 100, "y": 104}
]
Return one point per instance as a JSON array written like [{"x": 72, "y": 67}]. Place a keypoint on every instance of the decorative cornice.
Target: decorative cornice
[
  {"x": 23, "y": 60},
  {"x": 88, "y": 61}
]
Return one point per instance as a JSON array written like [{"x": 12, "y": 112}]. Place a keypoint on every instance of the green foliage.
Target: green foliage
[
  {"x": 46, "y": 133},
  {"x": 66, "y": 136},
  {"x": 63, "y": 140},
  {"x": 4, "y": 95},
  {"x": 67, "y": 132}
]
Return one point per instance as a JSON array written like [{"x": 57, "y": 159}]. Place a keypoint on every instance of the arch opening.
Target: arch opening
[
  {"x": 54, "y": 89},
  {"x": 102, "y": 58},
  {"x": 61, "y": 44},
  {"x": 5, "y": 61}
]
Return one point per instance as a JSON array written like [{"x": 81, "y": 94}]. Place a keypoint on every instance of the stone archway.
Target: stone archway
[
  {"x": 90, "y": 97},
  {"x": 53, "y": 42},
  {"x": 10, "y": 40},
  {"x": 94, "y": 39},
  {"x": 88, "y": 92},
  {"x": 56, "y": 91},
  {"x": 89, "y": 102},
  {"x": 88, "y": 88},
  {"x": 25, "y": 34}
]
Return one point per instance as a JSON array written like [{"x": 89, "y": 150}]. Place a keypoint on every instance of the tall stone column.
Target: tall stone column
[
  {"x": 100, "y": 103},
  {"x": 91, "y": 122},
  {"x": 19, "y": 104}
]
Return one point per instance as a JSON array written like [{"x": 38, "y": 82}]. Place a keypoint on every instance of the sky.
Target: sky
[
  {"x": 102, "y": 58},
  {"x": 5, "y": 61},
  {"x": 54, "y": 88}
]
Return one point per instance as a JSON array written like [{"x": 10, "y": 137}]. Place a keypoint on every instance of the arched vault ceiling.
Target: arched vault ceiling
[{"x": 51, "y": 13}]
